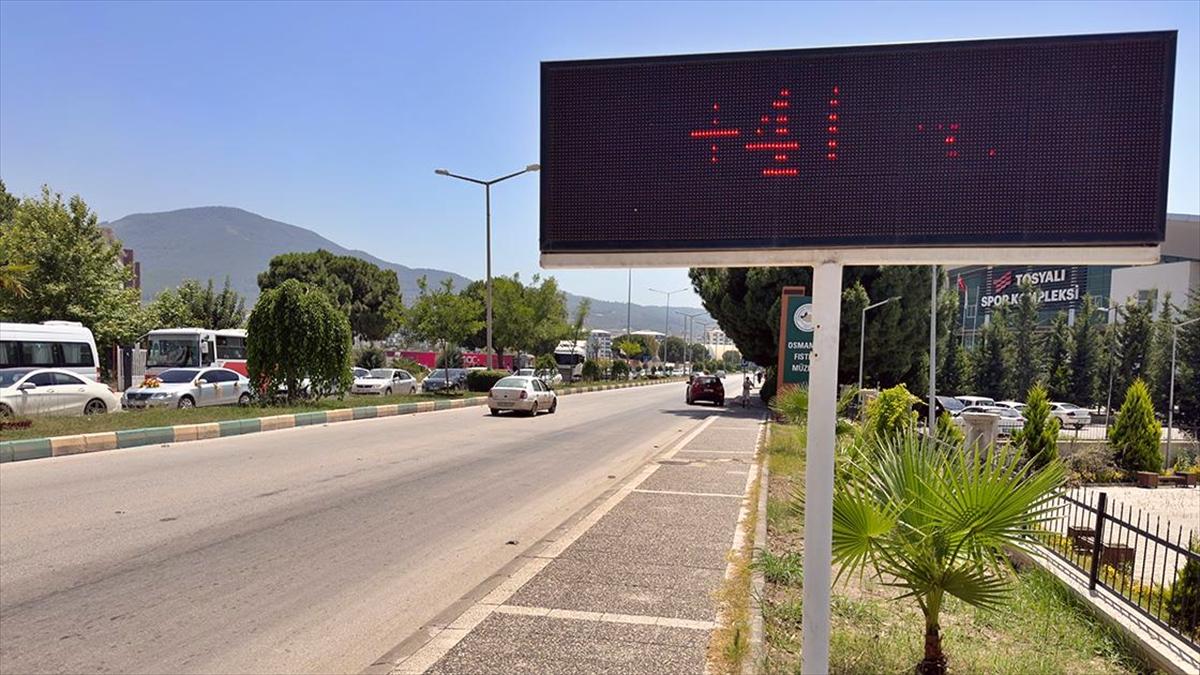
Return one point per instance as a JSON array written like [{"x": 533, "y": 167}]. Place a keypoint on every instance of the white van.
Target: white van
[{"x": 50, "y": 344}]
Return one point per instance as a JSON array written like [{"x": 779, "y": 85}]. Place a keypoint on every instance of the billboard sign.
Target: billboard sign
[
  {"x": 795, "y": 337},
  {"x": 1044, "y": 142},
  {"x": 1057, "y": 288}
]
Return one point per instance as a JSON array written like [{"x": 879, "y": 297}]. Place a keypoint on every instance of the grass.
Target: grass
[
  {"x": 729, "y": 643},
  {"x": 1044, "y": 629},
  {"x": 43, "y": 427}
]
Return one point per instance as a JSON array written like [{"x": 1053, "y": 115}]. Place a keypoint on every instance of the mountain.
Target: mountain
[{"x": 212, "y": 242}]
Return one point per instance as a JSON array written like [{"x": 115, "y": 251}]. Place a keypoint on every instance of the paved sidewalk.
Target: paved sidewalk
[{"x": 630, "y": 587}]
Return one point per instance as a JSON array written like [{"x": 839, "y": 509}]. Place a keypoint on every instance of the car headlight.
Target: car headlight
[{"x": 163, "y": 394}]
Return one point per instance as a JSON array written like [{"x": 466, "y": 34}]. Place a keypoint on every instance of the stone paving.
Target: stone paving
[{"x": 631, "y": 588}]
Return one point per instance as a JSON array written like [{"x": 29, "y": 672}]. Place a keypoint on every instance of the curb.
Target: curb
[
  {"x": 756, "y": 654},
  {"x": 57, "y": 446}
]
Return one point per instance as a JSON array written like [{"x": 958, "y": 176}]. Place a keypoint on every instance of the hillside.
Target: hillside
[{"x": 211, "y": 242}]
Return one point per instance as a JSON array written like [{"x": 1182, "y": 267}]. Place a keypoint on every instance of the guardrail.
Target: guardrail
[{"x": 1131, "y": 553}]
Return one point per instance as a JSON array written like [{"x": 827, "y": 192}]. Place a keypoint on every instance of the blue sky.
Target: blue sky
[{"x": 333, "y": 116}]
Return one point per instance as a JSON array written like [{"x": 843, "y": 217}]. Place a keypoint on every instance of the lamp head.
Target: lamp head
[
  {"x": 534, "y": 167},
  {"x": 441, "y": 172}
]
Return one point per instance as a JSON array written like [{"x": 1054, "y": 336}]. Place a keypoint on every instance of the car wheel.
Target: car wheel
[
  {"x": 495, "y": 413},
  {"x": 553, "y": 406},
  {"x": 721, "y": 402},
  {"x": 95, "y": 407},
  {"x": 533, "y": 410},
  {"x": 187, "y": 402},
  {"x": 244, "y": 399},
  {"x": 387, "y": 392}
]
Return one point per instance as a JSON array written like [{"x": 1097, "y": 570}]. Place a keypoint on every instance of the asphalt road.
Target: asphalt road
[{"x": 304, "y": 550}]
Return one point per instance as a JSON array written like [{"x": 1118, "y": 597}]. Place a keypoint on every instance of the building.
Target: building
[
  {"x": 599, "y": 344},
  {"x": 126, "y": 258},
  {"x": 1062, "y": 288},
  {"x": 717, "y": 343}
]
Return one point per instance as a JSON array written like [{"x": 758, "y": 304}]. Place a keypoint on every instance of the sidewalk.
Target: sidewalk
[{"x": 630, "y": 587}]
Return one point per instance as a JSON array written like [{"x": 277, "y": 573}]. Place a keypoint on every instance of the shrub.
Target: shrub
[
  {"x": 767, "y": 392},
  {"x": 1183, "y": 609},
  {"x": 296, "y": 332},
  {"x": 591, "y": 370},
  {"x": 1093, "y": 465},
  {"x": 451, "y": 358},
  {"x": 891, "y": 413},
  {"x": 1136, "y": 433},
  {"x": 948, "y": 432},
  {"x": 484, "y": 380},
  {"x": 620, "y": 370},
  {"x": 545, "y": 362},
  {"x": 792, "y": 404},
  {"x": 1038, "y": 440},
  {"x": 416, "y": 369},
  {"x": 370, "y": 357}
]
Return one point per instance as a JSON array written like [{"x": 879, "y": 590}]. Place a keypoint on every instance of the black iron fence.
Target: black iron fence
[{"x": 1138, "y": 556}]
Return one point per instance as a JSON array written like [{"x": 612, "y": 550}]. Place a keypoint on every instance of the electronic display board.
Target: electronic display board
[{"x": 1055, "y": 141}]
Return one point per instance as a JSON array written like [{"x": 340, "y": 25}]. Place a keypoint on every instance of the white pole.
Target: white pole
[
  {"x": 818, "y": 472},
  {"x": 932, "y": 418}
]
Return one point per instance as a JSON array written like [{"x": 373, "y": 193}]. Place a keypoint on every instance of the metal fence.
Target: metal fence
[{"x": 1134, "y": 554}]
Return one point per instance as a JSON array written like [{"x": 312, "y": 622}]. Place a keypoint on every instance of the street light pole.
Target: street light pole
[
  {"x": 688, "y": 323},
  {"x": 667, "y": 320},
  {"x": 487, "y": 196},
  {"x": 862, "y": 335},
  {"x": 1112, "y": 347},
  {"x": 1171, "y": 396}
]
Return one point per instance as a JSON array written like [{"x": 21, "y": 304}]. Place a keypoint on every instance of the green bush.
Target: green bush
[
  {"x": 1038, "y": 440},
  {"x": 620, "y": 370},
  {"x": 484, "y": 380},
  {"x": 1183, "y": 610},
  {"x": 416, "y": 369},
  {"x": 591, "y": 370},
  {"x": 891, "y": 413},
  {"x": 296, "y": 332},
  {"x": 948, "y": 432},
  {"x": 767, "y": 392},
  {"x": 545, "y": 362},
  {"x": 451, "y": 358},
  {"x": 370, "y": 357},
  {"x": 1136, "y": 433},
  {"x": 792, "y": 404}
]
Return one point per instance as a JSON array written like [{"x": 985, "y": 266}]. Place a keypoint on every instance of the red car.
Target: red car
[{"x": 706, "y": 388}]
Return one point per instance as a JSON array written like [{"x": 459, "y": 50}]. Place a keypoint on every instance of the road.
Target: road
[{"x": 303, "y": 550}]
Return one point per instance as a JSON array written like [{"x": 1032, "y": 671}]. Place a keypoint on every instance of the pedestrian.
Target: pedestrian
[{"x": 746, "y": 390}]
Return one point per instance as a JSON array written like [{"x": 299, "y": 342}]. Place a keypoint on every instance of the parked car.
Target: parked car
[
  {"x": 357, "y": 372},
  {"x": 445, "y": 379},
  {"x": 1070, "y": 415},
  {"x": 551, "y": 378},
  {"x": 1015, "y": 405},
  {"x": 526, "y": 372},
  {"x": 522, "y": 394},
  {"x": 53, "y": 391},
  {"x": 721, "y": 374},
  {"x": 385, "y": 382},
  {"x": 190, "y": 388},
  {"x": 945, "y": 404},
  {"x": 976, "y": 400},
  {"x": 1011, "y": 421},
  {"x": 706, "y": 388}
]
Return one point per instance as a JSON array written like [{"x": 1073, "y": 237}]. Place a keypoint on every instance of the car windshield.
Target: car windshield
[
  {"x": 1069, "y": 406},
  {"x": 951, "y": 403},
  {"x": 439, "y": 374},
  {"x": 178, "y": 375},
  {"x": 166, "y": 352},
  {"x": 1006, "y": 412},
  {"x": 707, "y": 379},
  {"x": 512, "y": 383},
  {"x": 9, "y": 376},
  {"x": 361, "y": 372},
  {"x": 381, "y": 372}
]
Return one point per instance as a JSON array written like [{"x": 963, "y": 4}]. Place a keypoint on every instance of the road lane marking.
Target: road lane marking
[
  {"x": 606, "y": 617},
  {"x": 721, "y": 452},
  {"x": 449, "y": 637},
  {"x": 690, "y": 494}
]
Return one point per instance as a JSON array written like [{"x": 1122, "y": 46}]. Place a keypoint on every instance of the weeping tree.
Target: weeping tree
[
  {"x": 296, "y": 333},
  {"x": 935, "y": 521}
]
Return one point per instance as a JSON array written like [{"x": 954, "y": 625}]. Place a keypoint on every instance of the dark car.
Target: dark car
[
  {"x": 445, "y": 379},
  {"x": 706, "y": 388}
]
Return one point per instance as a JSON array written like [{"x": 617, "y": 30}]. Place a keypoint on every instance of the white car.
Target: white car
[
  {"x": 385, "y": 382},
  {"x": 522, "y": 394},
  {"x": 53, "y": 391},
  {"x": 550, "y": 377},
  {"x": 190, "y": 388},
  {"x": 976, "y": 400},
  {"x": 1011, "y": 421},
  {"x": 1015, "y": 405},
  {"x": 1070, "y": 415}
]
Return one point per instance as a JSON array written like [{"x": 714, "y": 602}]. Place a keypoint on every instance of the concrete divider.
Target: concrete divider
[{"x": 39, "y": 448}]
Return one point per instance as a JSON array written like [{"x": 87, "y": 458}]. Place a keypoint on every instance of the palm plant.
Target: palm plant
[{"x": 935, "y": 520}]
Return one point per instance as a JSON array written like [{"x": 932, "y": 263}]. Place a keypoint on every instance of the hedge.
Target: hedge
[{"x": 484, "y": 380}]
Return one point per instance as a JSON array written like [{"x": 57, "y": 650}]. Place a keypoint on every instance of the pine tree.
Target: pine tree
[
  {"x": 1038, "y": 439},
  {"x": 1133, "y": 338},
  {"x": 1158, "y": 375},
  {"x": 1085, "y": 355},
  {"x": 994, "y": 358},
  {"x": 1027, "y": 352},
  {"x": 955, "y": 376},
  {"x": 1187, "y": 365},
  {"x": 1057, "y": 348},
  {"x": 1136, "y": 434}
]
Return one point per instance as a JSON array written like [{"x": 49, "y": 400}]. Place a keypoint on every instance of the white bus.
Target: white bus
[
  {"x": 50, "y": 344},
  {"x": 570, "y": 355},
  {"x": 195, "y": 348}
]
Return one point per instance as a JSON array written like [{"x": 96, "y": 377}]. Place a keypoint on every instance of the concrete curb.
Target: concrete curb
[
  {"x": 57, "y": 446},
  {"x": 756, "y": 654}
]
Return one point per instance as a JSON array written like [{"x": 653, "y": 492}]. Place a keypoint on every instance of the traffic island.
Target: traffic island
[{"x": 637, "y": 585}]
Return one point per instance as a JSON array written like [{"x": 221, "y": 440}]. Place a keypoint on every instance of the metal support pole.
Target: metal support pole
[
  {"x": 818, "y": 471},
  {"x": 1112, "y": 348},
  {"x": 862, "y": 345},
  {"x": 629, "y": 305},
  {"x": 932, "y": 417},
  {"x": 1097, "y": 541},
  {"x": 487, "y": 191}
]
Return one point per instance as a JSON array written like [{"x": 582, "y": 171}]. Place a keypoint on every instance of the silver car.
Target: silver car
[
  {"x": 1011, "y": 421},
  {"x": 385, "y": 381},
  {"x": 189, "y": 388},
  {"x": 522, "y": 394},
  {"x": 1070, "y": 416}
]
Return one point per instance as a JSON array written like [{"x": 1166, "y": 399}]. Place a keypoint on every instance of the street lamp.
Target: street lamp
[
  {"x": 1171, "y": 396},
  {"x": 1112, "y": 347},
  {"x": 862, "y": 335},
  {"x": 667, "y": 321},
  {"x": 689, "y": 322},
  {"x": 487, "y": 191}
]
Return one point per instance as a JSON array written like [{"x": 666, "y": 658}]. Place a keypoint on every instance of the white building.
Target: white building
[
  {"x": 600, "y": 344},
  {"x": 717, "y": 342},
  {"x": 1178, "y": 273}
]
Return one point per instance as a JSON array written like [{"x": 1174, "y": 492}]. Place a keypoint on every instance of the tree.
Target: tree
[
  {"x": 698, "y": 352},
  {"x": 1187, "y": 364},
  {"x": 196, "y": 306},
  {"x": 854, "y": 299},
  {"x": 370, "y": 357},
  {"x": 1133, "y": 338},
  {"x": 368, "y": 294},
  {"x": 1158, "y": 372},
  {"x": 629, "y": 348},
  {"x": 994, "y": 358},
  {"x": 937, "y": 523},
  {"x": 545, "y": 362},
  {"x": 731, "y": 360},
  {"x": 1136, "y": 434},
  {"x": 581, "y": 314},
  {"x": 441, "y": 316},
  {"x": 677, "y": 349},
  {"x": 955, "y": 375},
  {"x": 1038, "y": 439},
  {"x": 61, "y": 266},
  {"x": 1058, "y": 348},
  {"x": 528, "y": 318},
  {"x": 1085, "y": 357},
  {"x": 295, "y": 333},
  {"x": 1027, "y": 353}
]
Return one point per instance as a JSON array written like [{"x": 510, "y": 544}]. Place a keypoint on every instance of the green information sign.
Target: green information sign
[{"x": 795, "y": 336}]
